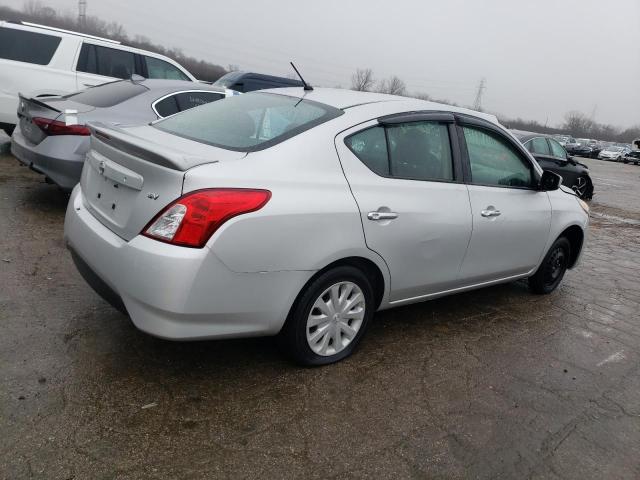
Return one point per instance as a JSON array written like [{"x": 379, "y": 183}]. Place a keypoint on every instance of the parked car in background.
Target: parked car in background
[
  {"x": 562, "y": 139},
  {"x": 579, "y": 148},
  {"x": 40, "y": 61},
  {"x": 612, "y": 152},
  {"x": 249, "y": 81},
  {"x": 633, "y": 156},
  {"x": 552, "y": 156},
  {"x": 596, "y": 148},
  {"x": 301, "y": 213},
  {"x": 52, "y": 136}
]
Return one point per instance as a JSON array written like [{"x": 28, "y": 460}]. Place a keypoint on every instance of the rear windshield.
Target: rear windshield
[
  {"x": 108, "y": 94},
  {"x": 249, "y": 122},
  {"x": 29, "y": 47}
]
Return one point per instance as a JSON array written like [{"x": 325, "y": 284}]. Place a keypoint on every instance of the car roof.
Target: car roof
[
  {"x": 347, "y": 99},
  {"x": 525, "y": 136},
  {"x": 237, "y": 75}
]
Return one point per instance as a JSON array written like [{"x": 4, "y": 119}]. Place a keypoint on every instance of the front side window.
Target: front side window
[
  {"x": 494, "y": 161},
  {"x": 110, "y": 62},
  {"x": 557, "y": 150},
  {"x": 157, "y": 68},
  {"x": 249, "y": 122},
  {"x": 29, "y": 47},
  {"x": 539, "y": 146},
  {"x": 413, "y": 150}
]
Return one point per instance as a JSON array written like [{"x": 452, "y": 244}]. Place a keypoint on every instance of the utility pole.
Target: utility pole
[
  {"x": 477, "y": 104},
  {"x": 82, "y": 13}
]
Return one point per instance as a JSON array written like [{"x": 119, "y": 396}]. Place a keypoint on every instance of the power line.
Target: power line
[
  {"x": 477, "y": 104},
  {"x": 82, "y": 12}
]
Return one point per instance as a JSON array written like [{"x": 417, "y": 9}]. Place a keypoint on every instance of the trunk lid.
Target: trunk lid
[
  {"x": 131, "y": 174},
  {"x": 52, "y": 108}
]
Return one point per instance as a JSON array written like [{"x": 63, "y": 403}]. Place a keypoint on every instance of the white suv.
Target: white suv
[{"x": 43, "y": 61}]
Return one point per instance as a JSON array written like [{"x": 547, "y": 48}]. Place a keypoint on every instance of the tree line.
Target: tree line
[{"x": 576, "y": 124}]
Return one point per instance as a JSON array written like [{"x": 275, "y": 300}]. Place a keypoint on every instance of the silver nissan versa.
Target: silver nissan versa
[{"x": 300, "y": 214}]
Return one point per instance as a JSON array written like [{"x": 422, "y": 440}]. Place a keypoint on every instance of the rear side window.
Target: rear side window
[
  {"x": 414, "y": 150},
  {"x": 106, "y": 61},
  {"x": 108, "y": 94},
  {"x": 157, "y": 68},
  {"x": 184, "y": 101},
  {"x": 494, "y": 161},
  {"x": 539, "y": 146},
  {"x": 250, "y": 122},
  {"x": 167, "y": 107},
  {"x": 187, "y": 100},
  {"x": 28, "y": 47}
]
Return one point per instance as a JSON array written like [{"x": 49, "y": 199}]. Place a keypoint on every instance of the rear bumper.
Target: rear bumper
[
  {"x": 59, "y": 158},
  {"x": 175, "y": 292}
]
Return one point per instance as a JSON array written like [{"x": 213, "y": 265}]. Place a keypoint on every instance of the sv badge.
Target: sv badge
[{"x": 152, "y": 196}]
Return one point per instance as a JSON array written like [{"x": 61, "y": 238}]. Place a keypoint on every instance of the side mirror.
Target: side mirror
[{"x": 549, "y": 181}]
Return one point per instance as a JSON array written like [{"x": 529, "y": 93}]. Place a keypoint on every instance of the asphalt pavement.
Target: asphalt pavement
[{"x": 496, "y": 383}]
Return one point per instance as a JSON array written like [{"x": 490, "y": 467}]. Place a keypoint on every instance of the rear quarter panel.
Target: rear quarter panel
[{"x": 311, "y": 219}]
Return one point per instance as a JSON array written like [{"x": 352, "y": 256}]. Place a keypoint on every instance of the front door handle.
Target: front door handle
[
  {"x": 375, "y": 216},
  {"x": 490, "y": 213}
]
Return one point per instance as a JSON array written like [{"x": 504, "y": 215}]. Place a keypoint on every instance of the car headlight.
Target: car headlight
[{"x": 584, "y": 205}]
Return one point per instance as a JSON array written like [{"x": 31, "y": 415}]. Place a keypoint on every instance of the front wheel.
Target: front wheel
[
  {"x": 329, "y": 318},
  {"x": 552, "y": 269},
  {"x": 583, "y": 188}
]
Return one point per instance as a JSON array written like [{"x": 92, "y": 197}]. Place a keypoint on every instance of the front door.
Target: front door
[
  {"x": 511, "y": 217},
  {"x": 414, "y": 207}
]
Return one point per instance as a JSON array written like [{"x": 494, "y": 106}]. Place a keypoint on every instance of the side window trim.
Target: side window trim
[
  {"x": 454, "y": 145},
  {"x": 487, "y": 126}
]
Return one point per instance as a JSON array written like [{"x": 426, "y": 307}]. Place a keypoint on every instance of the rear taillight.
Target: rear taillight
[
  {"x": 193, "y": 218},
  {"x": 56, "y": 127}
]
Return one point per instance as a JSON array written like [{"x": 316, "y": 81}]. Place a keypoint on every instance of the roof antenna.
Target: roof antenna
[{"x": 306, "y": 86}]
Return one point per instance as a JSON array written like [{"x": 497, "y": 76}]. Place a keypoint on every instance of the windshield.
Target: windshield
[
  {"x": 248, "y": 122},
  {"x": 614, "y": 149}
]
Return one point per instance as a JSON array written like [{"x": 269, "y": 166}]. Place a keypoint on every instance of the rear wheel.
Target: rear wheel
[
  {"x": 329, "y": 318},
  {"x": 552, "y": 269}
]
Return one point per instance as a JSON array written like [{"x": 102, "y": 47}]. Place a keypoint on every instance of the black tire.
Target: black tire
[
  {"x": 552, "y": 269},
  {"x": 293, "y": 336},
  {"x": 584, "y": 192}
]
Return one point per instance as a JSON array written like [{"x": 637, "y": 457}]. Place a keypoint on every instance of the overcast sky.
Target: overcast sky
[{"x": 540, "y": 58}]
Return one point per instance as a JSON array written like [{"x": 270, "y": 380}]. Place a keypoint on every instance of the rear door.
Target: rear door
[
  {"x": 407, "y": 181},
  {"x": 511, "y": 217}
]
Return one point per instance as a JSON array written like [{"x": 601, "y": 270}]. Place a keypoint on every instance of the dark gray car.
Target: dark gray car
[{"x": 52, "y": 136}]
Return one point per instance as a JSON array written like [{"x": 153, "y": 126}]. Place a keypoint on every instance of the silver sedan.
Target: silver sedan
[
  {"x": 52, "y": 136},
  {"x": 299, "y": 214}
]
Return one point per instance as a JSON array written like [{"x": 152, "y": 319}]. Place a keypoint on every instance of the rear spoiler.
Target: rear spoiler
[
  {"x": 121, "y": 140},
  {"x": 40, "y": 103}
]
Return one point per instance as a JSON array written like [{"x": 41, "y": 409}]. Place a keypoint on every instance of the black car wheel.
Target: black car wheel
[
  {"x": 553, "y": 267},
  {"x": 582, "y": 187}
]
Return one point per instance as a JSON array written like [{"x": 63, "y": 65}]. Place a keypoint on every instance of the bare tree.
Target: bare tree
[
  {"x": 392, "y": 85},
  {"x": 362, "y": 80},
  {"x": 578, "y": 124}
]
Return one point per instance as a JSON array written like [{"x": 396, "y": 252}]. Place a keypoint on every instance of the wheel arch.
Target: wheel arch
[
  {"x": 575, "y": 235},
  {"x": 373, "y": 271}
]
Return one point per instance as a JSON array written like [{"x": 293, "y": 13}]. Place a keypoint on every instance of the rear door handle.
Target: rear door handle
[
  {"x": 375, "y": 216},
  {"x": 490, "y": 213}
]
